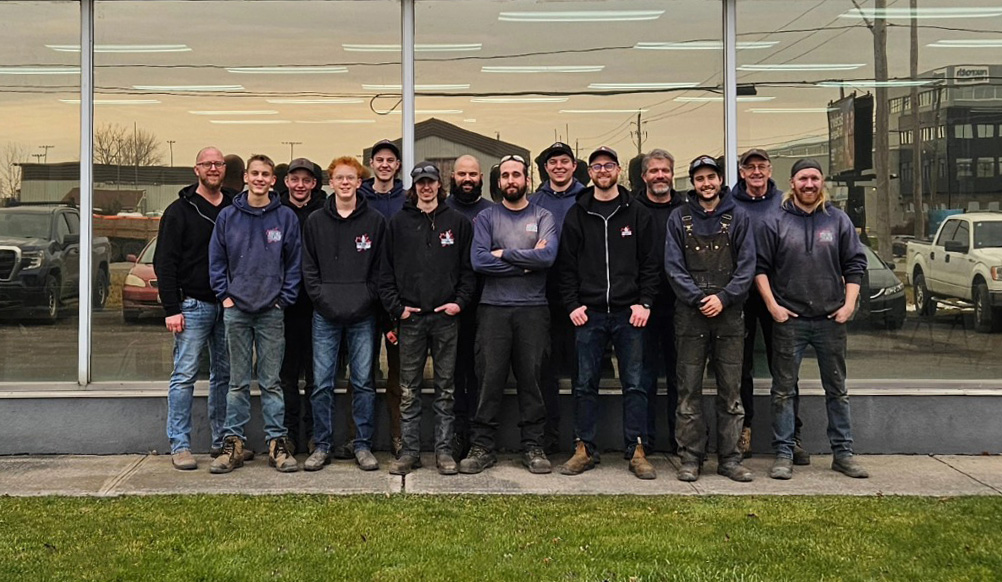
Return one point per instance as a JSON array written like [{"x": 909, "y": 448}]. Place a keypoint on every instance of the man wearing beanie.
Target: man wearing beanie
[{"x": 810, "y": 265}]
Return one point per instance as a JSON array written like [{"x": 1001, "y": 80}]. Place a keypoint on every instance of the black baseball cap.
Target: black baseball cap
[
  {"x": 385, "y": 144},
  {"x": 425, "y": 170},
  {"x": 703, "y": 162},
  {"x": 302, "y": 164},
  {"x": 603, "y": 150},
  {"x": 557, "y": 149}
]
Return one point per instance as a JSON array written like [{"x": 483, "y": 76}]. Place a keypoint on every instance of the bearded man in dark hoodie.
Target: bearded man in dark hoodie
[
  {"x": 341, "y": 247},
  {"x": 810, "y": 266},
  {"x": 710, "y": 258},
  {"x": 426, "y": 281},
  {"x": 194, "y": 315}
]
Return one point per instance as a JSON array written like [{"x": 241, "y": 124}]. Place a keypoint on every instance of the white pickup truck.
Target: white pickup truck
[{"x": 962, "y": 265}]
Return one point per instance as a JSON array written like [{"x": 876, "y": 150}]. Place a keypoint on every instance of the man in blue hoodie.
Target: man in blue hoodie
[
  {"x": 710, "y": 258},
  {"x": 557, "y": 194},
  {"x": 254, "y": 268},
  {"x": 810, "y": 266}
]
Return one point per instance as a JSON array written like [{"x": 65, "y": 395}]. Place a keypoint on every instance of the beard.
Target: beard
[
  {"x": 460, "y": 192},
  {"x": 515, "y": 196},
  {"x": 660, "y": 188}
]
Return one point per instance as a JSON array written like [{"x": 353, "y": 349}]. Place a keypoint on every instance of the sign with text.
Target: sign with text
[{"x": 850, "y": 135}]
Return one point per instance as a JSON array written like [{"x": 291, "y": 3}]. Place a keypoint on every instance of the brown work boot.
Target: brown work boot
[
  {"x": 183, "y": 460},
  {"x": 231, "y": 457},
  {"x": 640, "y": 466},
  {"x": 744, "y": 442},
  {"x": 280, "y": 455},
  {"x": 580, "y": 462}
]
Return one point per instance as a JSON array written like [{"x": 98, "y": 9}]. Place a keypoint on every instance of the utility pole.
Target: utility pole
[
  {"x": 292, "y": 148},
  {"x": 38, "y": 158},
  {"x": 45, "y": 157},
  {"x": 170, "y": 145},
  {"x": 917, "y": 126},
  {"x": 639, "y": 135}
]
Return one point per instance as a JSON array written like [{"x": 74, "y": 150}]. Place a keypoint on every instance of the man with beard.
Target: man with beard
[
  {"x": 193, "y": 313},
  {"x": 710, "y": 258},
  {"x": 513, "y": 246},
  {"x": 756, "y": 193},
  {"x": 425, "y": 282},
  {"x": 302, "y": 198},
  {"x": 608, "y": 279},
  {"x": 810, "y": 266},
  {"x": 557, "y": 194},
  {"x": 465, "y": 197},
  {"x": 658, "y": 196}
]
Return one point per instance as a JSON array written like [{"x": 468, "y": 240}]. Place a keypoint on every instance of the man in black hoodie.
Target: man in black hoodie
[
  {"x": 341, "y": 246},
  {"x": 194, "y": 316},
  {"x": 426, "y": 281},
  {"x": 658, "y": 196},
  {"x": 608, "y": 279},
  {"x": 303, "y": 197}
]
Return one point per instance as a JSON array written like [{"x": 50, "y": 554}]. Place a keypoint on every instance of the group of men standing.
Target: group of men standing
[{"x": 537, "y": 285}]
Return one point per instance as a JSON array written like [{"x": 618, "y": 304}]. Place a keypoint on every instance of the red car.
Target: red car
[{"x": 140, "y": 295}]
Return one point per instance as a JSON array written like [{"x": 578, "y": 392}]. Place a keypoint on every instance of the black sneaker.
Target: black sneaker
[
  {"x": 478, "y": 460},
  {"x": 535, "y": 460}
]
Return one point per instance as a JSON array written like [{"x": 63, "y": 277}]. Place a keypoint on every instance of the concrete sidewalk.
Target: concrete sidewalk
[{"x": 109, "y": 476}]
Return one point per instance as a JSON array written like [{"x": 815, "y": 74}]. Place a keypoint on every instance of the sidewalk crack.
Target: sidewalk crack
[
  {"x": 968, "y": 475},
  {"x": 108, "y": 489}
]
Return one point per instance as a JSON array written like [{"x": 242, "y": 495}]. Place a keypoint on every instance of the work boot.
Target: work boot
[
  {"x": 183, "y": 460},
  {"x": 580, "y": 462},
  {"x": 800, "y": 456},
  {"x": 345, "y": 451},
  {"x": 534, "y": 459},
  {"x": 782, "y": 468},
  {"x": 744, "y": 442},
  {"x": 405, "y": 464},
  {"x": 848, "y": 465},
  {"x": 280, "y": 455},
  {"x": 446, "y": 464},
  {"x": 248, "y": 453},
  {"x": 460, "y": 446},
  {"x": 735, "y": 471},
  {"x": 231, "y": 457},
  {"x": 688, "y": 472},
  {"x": 366, "y": 460},
  {"x": 397, "y": 446},
  {"x": 640, "y": 466},
  {"x": 318, "y": 459},
  {"x": 478, "y": 460}
]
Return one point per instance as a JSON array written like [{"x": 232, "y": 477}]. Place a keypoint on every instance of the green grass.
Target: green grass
[{"x": 409, "y": 538}]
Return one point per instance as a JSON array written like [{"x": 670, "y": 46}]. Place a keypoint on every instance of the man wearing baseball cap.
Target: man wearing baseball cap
[
  {"x": 810, "y": 266},
  {"x": 557, "y": 194},
  {"x": 710, "y": 258},
  {"x": 608, "y": 280}
]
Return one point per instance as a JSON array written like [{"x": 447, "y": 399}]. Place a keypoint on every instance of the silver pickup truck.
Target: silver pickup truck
[{"x": 961, "y": 265}]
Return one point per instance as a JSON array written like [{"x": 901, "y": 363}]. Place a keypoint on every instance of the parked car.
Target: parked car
[
  {"x": 40, "y": 261},
  {"x": 140, "y": 294},
  {"x": 882, "y": 295}
]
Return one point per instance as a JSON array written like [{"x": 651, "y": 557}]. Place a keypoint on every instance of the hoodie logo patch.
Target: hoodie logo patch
[
  {"x": 446, "y": 238},
  {"x": 625, "y": 232},
  {"x": 826, "y": 236},
  {"x": 363, "y": 243},
  {"x": 532, "y": 227},
  {"x": 274, "y": 235}
]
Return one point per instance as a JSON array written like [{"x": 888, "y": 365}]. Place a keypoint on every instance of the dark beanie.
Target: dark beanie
[{"x": 803, "y": 164}]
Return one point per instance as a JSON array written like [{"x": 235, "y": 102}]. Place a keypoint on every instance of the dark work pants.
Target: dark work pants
[
  {"x": 659, "y": 360},
  {"x": 298, "y": 361},
  {"x": 467, "y": 385},
  {"x": 696, "y": 335},
  {"x": 561, "y": 362},
  {"x": 516, "y": 339},
  {"x": 757, "y": 314},
  {"x": 418, "y": 333}
]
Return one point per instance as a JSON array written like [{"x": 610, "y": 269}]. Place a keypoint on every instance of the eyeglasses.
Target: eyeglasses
[
  {"x": 756, "y": 167},
  {"x": 511, "y": 157},
  {"x": 424, "y": 170},
  {"x": 608, "y": 166},
  {"x": 207, "y": 165}
]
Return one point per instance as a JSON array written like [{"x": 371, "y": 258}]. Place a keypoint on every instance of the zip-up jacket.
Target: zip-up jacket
[
  {"x": 758, "y": 208},
  {"x": 181, "y": 259},
  {"x": 809, "y": 258},
  {"x": 607, "y": 263},
  {"x": 707, "y": 224},
  {"x": 660, "y": 211},
  {"x": 341, "y": 260},
  {"x": 303, "y": 305},
  {"x": 386, "y": 204},
  {"x": 426, "y": 261},
  {"x": 255, "y": 255},
  {"x": 518, "y": 277}
]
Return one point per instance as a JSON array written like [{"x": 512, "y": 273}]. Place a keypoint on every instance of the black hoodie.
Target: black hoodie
[
  {"x": 341, "y": 260},
  {"x": 181, "y": 260},
  {"x": 303, "y": 305},
  {"x": 660, "y": 211},
  {"x": 611, "y": 263},
  {"x": 426, "y": 260}
]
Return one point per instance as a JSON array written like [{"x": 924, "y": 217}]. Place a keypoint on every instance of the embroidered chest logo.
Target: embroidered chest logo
[
  {"x": 446, "y": 238},
  {"x": 625, "y": 232},
  {"x": 532, "y": 227},
  {"x": 274, "y": 235},
  {"x": 363, "y": 243},
  {"x": 826, "y": 236}
]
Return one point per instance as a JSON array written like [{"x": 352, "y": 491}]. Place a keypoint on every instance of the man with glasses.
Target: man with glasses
[
  {"x": 557, "y": 194},
  {"x": 181, "y": 261},
  {"x": 513, "y": 246},
  {"x": 608, "y": 279},
  {"x": 710, "y": 258},
  {"x": 756, "y": 193}
]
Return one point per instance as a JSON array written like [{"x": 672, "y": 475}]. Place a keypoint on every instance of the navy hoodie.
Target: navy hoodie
[
  {"x": 809, "y": 258},
  {"x": 468, "y": 209},
  {"x": 558, "y": 203},
  {"x": 386, "y": 204},
  {"x": 341, "y": 260},
  {"x": 708, "y": 224},
  {"x": 255, "y": 255},
  {"x": 759, "y": 209}
]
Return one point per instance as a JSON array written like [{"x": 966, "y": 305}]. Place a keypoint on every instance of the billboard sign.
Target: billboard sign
[{"x": 850, "y": 135}]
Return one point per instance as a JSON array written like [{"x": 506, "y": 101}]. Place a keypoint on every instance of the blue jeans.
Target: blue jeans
[
  {"x": 790, "y": 339},
  {"x": 628, "y": 342},
  {"x": 262, "y": 333},
  {"x": 327, "y": 336},
  {"x": 203, "y": 326}
]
